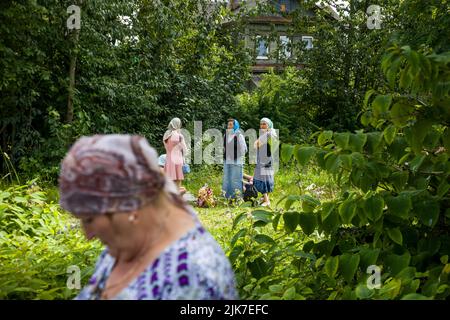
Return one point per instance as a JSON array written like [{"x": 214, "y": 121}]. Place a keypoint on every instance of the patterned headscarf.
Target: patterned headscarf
[
  {"x": 175, "y": 124},
  {"x": 111, "y": 173}
]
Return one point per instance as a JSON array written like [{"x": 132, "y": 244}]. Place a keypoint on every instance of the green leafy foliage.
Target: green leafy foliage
[
  {"x": 173, "y": 58},
  {"x": 391, "y": 206},
  {"x": 38, "y": 243}
]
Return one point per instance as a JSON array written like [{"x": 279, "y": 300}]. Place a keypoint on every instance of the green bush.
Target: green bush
[
  {"x": 38, "y": 242},
  {"x": 392, "y": 209}
]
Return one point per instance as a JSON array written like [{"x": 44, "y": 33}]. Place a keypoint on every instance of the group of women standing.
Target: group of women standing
[{"x": 235, "y": 148}]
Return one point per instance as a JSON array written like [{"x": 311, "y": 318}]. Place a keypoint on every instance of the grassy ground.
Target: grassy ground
[
  {"x": 288, "y": 180},
  {"x": 59, "y": 242}
]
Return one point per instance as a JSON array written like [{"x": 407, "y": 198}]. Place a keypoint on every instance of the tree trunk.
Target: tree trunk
[
  {"x": 73, "y": 64},
  {"x": 75, "y": 34}
]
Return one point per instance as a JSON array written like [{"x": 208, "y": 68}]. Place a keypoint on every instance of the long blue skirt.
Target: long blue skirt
[{"x": 232, "y": 180}]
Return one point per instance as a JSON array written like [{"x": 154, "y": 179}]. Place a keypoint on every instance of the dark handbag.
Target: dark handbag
[{"x": 250, "y": 193}]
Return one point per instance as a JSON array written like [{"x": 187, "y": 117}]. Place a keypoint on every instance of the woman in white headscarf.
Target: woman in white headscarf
[
  {"x": 263, "y": 179},
  {"x": 175, "y": 151}
]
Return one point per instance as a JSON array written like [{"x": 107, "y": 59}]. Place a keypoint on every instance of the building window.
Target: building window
[
  {"x": 308, "y": 41},
  {"x": 285, "y": 47},
  {"x": 262, "y": 48}
]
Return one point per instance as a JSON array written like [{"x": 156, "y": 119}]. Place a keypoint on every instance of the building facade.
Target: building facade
[{"x": 268, "y": 36}]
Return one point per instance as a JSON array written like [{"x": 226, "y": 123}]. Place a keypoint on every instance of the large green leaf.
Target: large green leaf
[
  {"x": 374, "y": 141},
  {"x": 235, "y": 252},
  {"x": 290, "y": 200},
  {"x": 276, "y": 288},
  {"x": 405, "y": 78},
  {"x": 432, "y": 139},
  {"x": 358, "y": 160},
  {"x": 241, "y": 216},
  {"x": 262, "y": 215},
  {"x": 357, "y": 142},
  {"x": 327, "y": 208},
  {"x": 399, "y": 179},
  {"x": 342, "y": 139},
  {"x": 397, "y": 148},
  {"x": 262, "y": 238},
  {"x": 406, "y": 275},
  {"x": 381, "y": 104},
  {"x": 331, "y": 266},
  {"x": 333, "y": 163},
  {"x": 331, "y": 223},
  {"x": 373, "y": 206},
  {"x": 418, "y": 133},
  {"x": 287, "y": 151},
  {"x": 366, "y": 118},
  {"x": 289, "y": 294},
  {"x": 275, "y": 221},
  {"x": 258, "y": 268},
  {"x": 324, "y": 247},
  {"x": 309, "y": 203},
  {"x": 324, "y": 137},
  {"x": 241, "y": 233},
  {"x": 427, "y": 211},
  {"x": 400, "y": 205},
  {"x": 368, "y": 257},
  {"x": 321, "y": 161},
  {"x": 367, "y": 96},
  {"x": 363, "y": 292},
  {"x": 346, "y": 161},
  {"x": 391, "y": 290},
  {"x": 308, "y": 222},
  {"x": 347, "y": 210},
  {"x": 417, "y": 162},
  {"x": 400, "y": 113},
  {"x": 348, "y": 264},
  {"x": 291, "y": 220},
  {"x": 395, "y": 235},
  {"x": 396, "y": 263},
  {"x": 304, "y": 154},
  {"x": 389, "y": 134}
]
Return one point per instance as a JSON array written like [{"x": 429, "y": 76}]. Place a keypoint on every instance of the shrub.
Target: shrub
[{"x": 38, "y": 242}]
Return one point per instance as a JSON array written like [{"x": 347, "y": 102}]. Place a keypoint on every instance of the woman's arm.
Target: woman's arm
[
  {"x": 183, "y": 145},
  {"x": 242, "y": 145}
]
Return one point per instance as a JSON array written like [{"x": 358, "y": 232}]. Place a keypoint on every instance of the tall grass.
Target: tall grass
[{"x": 11, "y": 174}]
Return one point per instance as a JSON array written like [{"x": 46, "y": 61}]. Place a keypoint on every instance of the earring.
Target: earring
[{"x": 131, "y": 217}]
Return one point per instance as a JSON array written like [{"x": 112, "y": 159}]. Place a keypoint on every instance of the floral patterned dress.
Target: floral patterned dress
[{"x": 192, "y": 268}]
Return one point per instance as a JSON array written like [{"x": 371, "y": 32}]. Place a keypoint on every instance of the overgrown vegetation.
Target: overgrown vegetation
[
  {"x": 138, "y": 64},
  {"x": 38, "y": 243},
  {"x": 392, "y": 210},
  {"x": 370, "y": 187}
]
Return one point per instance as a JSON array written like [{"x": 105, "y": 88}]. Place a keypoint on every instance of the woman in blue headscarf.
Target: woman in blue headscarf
[
  {"x": 263, "y": 179},
  {"x": 234, "y": 151}
]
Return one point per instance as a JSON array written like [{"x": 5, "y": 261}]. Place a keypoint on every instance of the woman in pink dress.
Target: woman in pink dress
[{"x": 175, "y": 150}]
